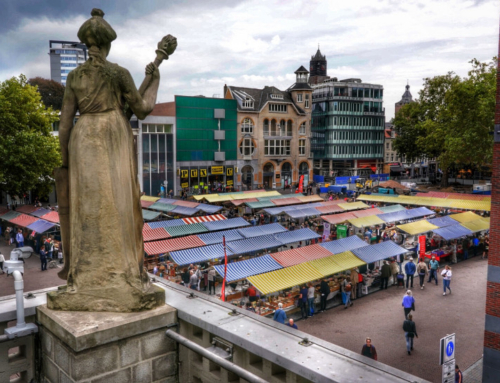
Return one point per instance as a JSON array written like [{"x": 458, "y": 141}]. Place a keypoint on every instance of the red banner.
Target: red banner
[
  {"x": 223, "y": 291},
  {"x": 300, "y": 189},
  {"x": 421, "y": 242}
]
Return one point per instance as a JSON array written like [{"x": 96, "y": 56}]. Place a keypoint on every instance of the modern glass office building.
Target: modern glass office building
[
  {"x": 64, "y": 57},
  {"x": 347, "y": 128}
]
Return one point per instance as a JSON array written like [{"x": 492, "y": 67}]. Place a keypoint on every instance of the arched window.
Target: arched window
[
  {"x": 247, "y": 126},
  {"x": 247, "y": 175},
  {"x": 302, "y": 129},
  {"x": 286, "y": 167},
  {"x": 247, "y": 147},
  {"x": 268, "y": 168}
]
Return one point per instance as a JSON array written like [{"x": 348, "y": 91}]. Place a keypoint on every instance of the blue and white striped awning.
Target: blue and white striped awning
[
  {"x": 41, "y": 226},
  {"x": 167, "y": 200},
  {"x": 256, "y": 231},
  {"x": 296, "y": 235},
  {"x": 208, "y": 208},
  {"x": 249, "y": 267},
  {"x": 452, "y": 232},
  {"x": 40, "y": 212},
  {"x": 302, "y": 213},
  {"x": 183, "y": 210},
  {"x": 272, "y": 228},
  {"x": 172, "y": 222},
  {"x": 344, "y": 244},
  {"x": 250, "y": 245},
  {"x": 442, "y": 221},
  {"x": 230, "y": 223},
  {"x": 216, "y": 236},
  {"x": 199, "y": 254},
  {"x": 419, "y": 212},
  {"x": 379, "y": 251},
  {"x": 403, "y": 215}
]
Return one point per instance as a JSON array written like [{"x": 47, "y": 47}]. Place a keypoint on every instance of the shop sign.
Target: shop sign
[
  {"x": 229, "y": 172},
  {"x": 229, "y": 183},
  {"x": 203, "y": 172},
  {"x": 341, "y": 231},
  {"x": 278, "y": 176},
  {"x": 184, "y": 185},
  {"x": 194, "y": 173},
  {"x": 326, "y": 231},
  {"x": 184, "y": 173},
  {"x": 421, "y": 242},
  {"x": 217, "y": 169}
]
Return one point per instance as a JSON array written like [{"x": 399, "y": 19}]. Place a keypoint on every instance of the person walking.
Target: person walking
[
  {"x": 410, "y": 269},
  {"x": 433, "y": 270},
  {"x": 394, "y": 272},
  {"x": 279, "y": 314},
  {"x": 43, "y": 259},
  {"x": 211, "y": 280},
  {"x": 486, "y": 247},
  {"x": 19, "y": 239},
  {"x": 193, "y": 280},
  {"x": 408, "y": 303},
  {"x": 459, "y": 377},
  {"x": 347, "y": 287},
  {"x": 369, "y": 350},
  {"x": 422, "y": 272},
  {"x": 410, "y": 332},
  {"x": 386, "y": 273},
  {"x": 354, "y": 283},
  {"x": 475, "y": 245},
  {"x": 465, "y": 248},
  {"x": 446, "y": 274},
  {"x": 324, "y": 290},
  {"x": 291, "y": 324},
  {"x": 303, "y": 301},
  {"x": 310, "y": 298}
]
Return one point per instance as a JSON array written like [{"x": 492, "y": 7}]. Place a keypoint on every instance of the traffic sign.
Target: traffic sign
[
  {"x": 449, "y": 372},
  {"x": 448, "y": 348}
]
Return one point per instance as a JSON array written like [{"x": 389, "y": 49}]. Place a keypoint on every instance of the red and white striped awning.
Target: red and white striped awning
[
  {"x": 205, "y": 218},
  {"x": 154, "y": 234},
  {"x": 313, "y": 252},
  {"x": 168, "y": 245}
]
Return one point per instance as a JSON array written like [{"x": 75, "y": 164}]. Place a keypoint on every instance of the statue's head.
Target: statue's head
[{"x": 97, "y": 34}]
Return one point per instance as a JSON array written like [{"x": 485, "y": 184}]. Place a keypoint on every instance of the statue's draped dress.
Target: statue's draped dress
[{"x": 105, "y": 214}]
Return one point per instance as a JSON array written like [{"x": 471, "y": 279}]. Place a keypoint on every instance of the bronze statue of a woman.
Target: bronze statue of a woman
[{"x": 100, "y": 210}]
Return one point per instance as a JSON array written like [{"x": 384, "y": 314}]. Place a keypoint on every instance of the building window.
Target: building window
[
  {"x": 302, "y": 147},
  {"x": 266, "y": 127},
  {"x": 392, "y": 156},
  {"x": 247, "y": 126},
  {"x": 277, "y": 147},
  {"x": 299, "y": 97},
  {"x": 277, "y": 96},
  {"x": 302, "y": 129},
  {"x": 289, "y": 128},
  {"x": 247, "y": 147},
  {"x": 248, "y": 103},
  {"x": 387, "y": 145},
  {"x": 156, "y": 128},
  {"x": 306, "y": 104},
  {"x": 282, "y": 108}
]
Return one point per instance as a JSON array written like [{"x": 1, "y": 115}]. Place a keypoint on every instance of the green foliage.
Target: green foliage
[
  {"x": 28, "y": 150},
  {"x": 452, "y": 120},
  {"x": 52, "y": 92}
]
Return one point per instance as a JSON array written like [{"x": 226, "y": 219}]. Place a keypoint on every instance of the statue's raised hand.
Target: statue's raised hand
[{"x": 152, "y": 69}]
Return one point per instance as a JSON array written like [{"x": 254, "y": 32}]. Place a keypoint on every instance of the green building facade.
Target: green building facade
[{"x": 206, "y": 141}]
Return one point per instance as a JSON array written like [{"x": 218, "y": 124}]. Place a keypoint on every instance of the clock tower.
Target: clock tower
[{"x": 317, "y": 68}]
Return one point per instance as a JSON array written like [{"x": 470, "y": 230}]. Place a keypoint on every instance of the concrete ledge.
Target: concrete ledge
[{"x": 84, "y": 330}]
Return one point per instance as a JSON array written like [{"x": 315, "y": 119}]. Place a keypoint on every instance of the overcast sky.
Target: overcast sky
[{"x": 262, "y": 42}]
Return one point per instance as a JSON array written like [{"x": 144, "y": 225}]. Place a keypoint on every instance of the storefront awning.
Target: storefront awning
[
  {"x": 165, "y": 207},
  {"x": 366, "y": 221},
  {"x": 24, "y": 220},
  {"x": 199, "y": 254},
  {"x": 284, "y": 278},
  {"x": 303, "y": 213},
  {"x": 183, "y": 210},
  {"x": 465, "y": 217},
  {"x": 168, "y": 245},
  {"x": 289, "y": 258},
  {"x": 177, "y": 231},
  {"x": 392, "y": 208},
  {"x": 442, "y": 221},
  {"x": 379, "y": 251},
  {"x": 477, "y": 225},
  {"x": 251, "y": 245},
  {"x": 53, "y": 216},
  {"x": 344, "y": 244},
  {"x": 230, "y": 223},
  {"x": 41, "y": 226},
  {"x": 149, "y": 234},
  {"x": 209, "y": 208},
  {"x": 353, "y": 205},
  {"x": 40, "y": 212},
  {"x": 248, "y": 268},
  {"x": 452, "y": 232},
  {"x": 397, "y": 169},
  {"x": 148, "y": 215},
  {"x": 418, "y": 227},
  {"x": 314, "y": 252},
  {"x": 335, "y": 219},
  {"x": 296, "y": 235},
  {"x": 256, "y": 231},
  {"x": 204, "y": 218},
  {"x": 216, "y": 236},
  {"x": 336, "y": 263},
  {"x": 26, "y": 209},
  {"x": 166, "y": 223}
]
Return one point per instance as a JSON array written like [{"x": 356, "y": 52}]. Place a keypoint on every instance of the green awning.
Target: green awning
[
  {"x": 147, "y": 215},
  {"x": 10, "y": 215},
  {"x": 166, "y": 207},
  {"x": 195, "y": 228}
]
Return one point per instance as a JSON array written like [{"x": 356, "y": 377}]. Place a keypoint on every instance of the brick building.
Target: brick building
[{"x": 273, "y": 133}]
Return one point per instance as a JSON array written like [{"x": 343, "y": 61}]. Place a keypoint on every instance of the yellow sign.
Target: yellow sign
[
  {"x": 203, "y": 172},
  {"x": 194, "y": 173},
  {"x": 229, "y": 172},
  {"x": 185, "y": 184},
  {"x": 229, "y": 182},
  {"x": 217, "y": 169},
  {"x": 184, "y": 174}
]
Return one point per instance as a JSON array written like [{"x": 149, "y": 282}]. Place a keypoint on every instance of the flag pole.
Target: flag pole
[{"x": 223, "y": 291}]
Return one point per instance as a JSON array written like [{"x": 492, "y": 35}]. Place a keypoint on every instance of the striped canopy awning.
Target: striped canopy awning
[
  {"x": 199, "y": 254},
  {"x": 452, "y": 232},
  {"x": 40, "y": 212},
  {"x": 248, "y": 268},
  {"x": 314, "y": 252},
  {"x": 338, "y": 218},
  {"x": 289, "y": 257},
  {"x": 344, "y": 244},
  {"x": 165, "y": 207},
  {"x": 296, "y": 235},
  {"x": 149, "y": 215},
  {"x": 418, "y": 227},
  {"x": 168, "y": 245},
  {"x": 41, "y": 226},
  {"x": 177, "y": 231},
  {"x": 27, "y": 209},
  {"x": 24, "y": 220},
  {"x": 216, "y": 237},
  {"x": 167, "y": 223},
  {"x": 186, "y": 203},
  {"x": 204, "y": 218},
  {"x": 230, "y": 223},
  {"x": 10, "y": 215},
  {"x": 154, "y": 234},
  {"x": 442, "y": 221}
]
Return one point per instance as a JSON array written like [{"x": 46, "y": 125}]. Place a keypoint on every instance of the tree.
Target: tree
[
  {"x": 51, "y": 91},
  {"x": 452, "y": 120},
  {"x": 28, "y": 150}
]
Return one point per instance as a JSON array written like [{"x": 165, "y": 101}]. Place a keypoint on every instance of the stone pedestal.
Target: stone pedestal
[{"x": 100, "y": 347}]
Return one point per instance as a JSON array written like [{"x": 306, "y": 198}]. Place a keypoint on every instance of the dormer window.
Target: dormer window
[
  {"x": 276, "y": 96},
  {"x": 248, "y": 103}
]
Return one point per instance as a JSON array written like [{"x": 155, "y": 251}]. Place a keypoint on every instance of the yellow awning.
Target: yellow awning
[
  {"x": 417, "y": 227},
  {"x": 484, "y": 205},
  {"x": 353, "y": 205},
  {"x": 468, "y": 216},
  {"x": 480, "y": 224},
  {"x": 285, "y": 278},
  {"x": 309, "y": 198},
  {"x": 347, "y": 260},
  {"x": 149, "y": 198},
  {"x": 200, "y": 197},
  {"x": 217, "y": 198},
  {"x": 371, "y": 220},
  {"x": 326, "y": 266}
]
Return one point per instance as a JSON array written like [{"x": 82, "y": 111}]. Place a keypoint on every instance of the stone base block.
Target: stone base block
[
  {"x": 108, "y": 300},
  {"x": 94, "y": 347}
]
